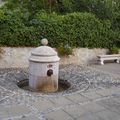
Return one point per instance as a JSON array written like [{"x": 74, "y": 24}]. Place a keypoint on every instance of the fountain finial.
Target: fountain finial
[{"x": 44, "y": 41}]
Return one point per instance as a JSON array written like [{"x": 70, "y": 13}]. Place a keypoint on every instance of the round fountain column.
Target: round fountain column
[{"x": 44, "y": 68}]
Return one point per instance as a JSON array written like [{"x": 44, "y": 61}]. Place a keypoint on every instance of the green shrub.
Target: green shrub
[
  {"x": 75, "y": 29},
  {"x": 64, "y": 49},
  {"x": 14, "y": 32},
  {"x": 114, "y": 50}
]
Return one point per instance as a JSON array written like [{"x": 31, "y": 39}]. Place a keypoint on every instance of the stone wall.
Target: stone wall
[
  {"x": 14, "y": 57},
  {"x": 18, "y": 57}
]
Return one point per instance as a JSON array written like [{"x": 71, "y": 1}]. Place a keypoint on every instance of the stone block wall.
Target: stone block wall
[{"x": 18, "y": 57}]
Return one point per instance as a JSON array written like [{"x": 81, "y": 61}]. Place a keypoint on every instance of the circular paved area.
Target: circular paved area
[{"x": 92, "y": 93}]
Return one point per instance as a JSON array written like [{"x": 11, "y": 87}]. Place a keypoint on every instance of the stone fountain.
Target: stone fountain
[{"x": 44, "y": 68}]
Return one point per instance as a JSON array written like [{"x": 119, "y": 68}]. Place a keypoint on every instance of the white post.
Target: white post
[
  {"x": 117, "y": 61},
  {"x": 102, "y": 62}
]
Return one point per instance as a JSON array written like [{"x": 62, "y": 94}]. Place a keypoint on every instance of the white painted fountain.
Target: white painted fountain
[{"x": 44, "y": 68}]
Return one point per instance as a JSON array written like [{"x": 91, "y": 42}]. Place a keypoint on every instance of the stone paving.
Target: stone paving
[{"x": 100, "y": 100}]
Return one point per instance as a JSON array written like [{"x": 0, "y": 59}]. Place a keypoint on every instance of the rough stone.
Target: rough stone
[
  {"x": 106, "y": 92},
  {"x": 30, "y": 117},
  {"x": 58, "y": 115},
  {"x": 4, "y": 93},
  {"x": 13, "y": 111},
  {"x": 89, "y": 117},
  {"x": 107, "y": 115},
  {"x": 110, "y": 104},
  {"x": 76, "y": 111},
  {"x": 42, "y": 105},
  {"x": 77, "y": 98},
  {"x": 61, "y": 101},
  {"x": 91, "y": 95},
  {"x": 93, "y": 107}
]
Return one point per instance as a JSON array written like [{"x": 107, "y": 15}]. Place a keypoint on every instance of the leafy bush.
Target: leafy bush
[
  {"x": 75, "y": 29},
  {"x": 14, "y": 32},
  {"x": 114, "y": 50},
  {"x": 64, "y": 50},
  {"x": 103, "y": 9}
]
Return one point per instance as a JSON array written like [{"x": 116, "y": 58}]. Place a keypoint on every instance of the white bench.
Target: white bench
[{"x": 102, "y": 58}]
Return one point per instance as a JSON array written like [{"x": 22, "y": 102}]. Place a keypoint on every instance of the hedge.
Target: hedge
[{"x": 75, "y": 29}]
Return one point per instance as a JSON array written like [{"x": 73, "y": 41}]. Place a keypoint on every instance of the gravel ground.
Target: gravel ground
[{"x": 81, "y": 78}]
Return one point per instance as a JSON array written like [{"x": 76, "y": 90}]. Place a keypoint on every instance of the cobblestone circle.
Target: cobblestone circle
[{"x": 81, "y": 78}]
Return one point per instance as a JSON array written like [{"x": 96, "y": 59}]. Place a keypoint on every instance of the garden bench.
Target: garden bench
[{"x": 102, "y": 58}]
